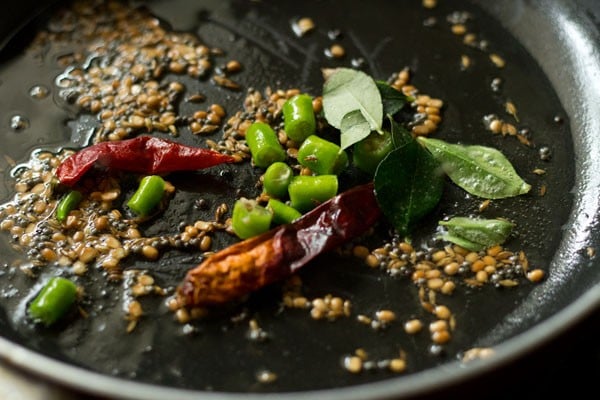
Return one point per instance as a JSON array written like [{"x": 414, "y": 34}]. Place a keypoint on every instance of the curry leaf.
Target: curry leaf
[
  {"x": 348, "y": 90},
  {"x": 354, "y": 128},
  {"x": 393, "y": 100},
  {"x": 408, "y": 185},
  {"x": 400, "y": 135},
  {"x": 481, "y": 171},
  {"x": 476, "y": 233}
]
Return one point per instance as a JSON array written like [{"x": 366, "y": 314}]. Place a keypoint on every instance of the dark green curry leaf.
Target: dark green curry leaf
[
  {"x": 481, "y": 171},
  {"x": 476, "y": 233},
  {"x": 400, "y": 135},
  {"x": 408, "y": 185},
  {"x": 393, "y": 100}
]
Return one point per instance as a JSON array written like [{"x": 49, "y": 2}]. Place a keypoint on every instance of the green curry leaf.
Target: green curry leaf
[
  {"x": 354, "y": 128},
  {"x": 408, "y": 185},
  {"x": 393, "y": 100},
  {"x": 476, "y": 233},
  {"x": 348, "y": 90},
  {"x": 481, "y": 171}
]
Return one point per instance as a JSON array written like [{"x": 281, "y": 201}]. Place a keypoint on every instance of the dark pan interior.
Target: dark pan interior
[{"x": 552, "y": 59}]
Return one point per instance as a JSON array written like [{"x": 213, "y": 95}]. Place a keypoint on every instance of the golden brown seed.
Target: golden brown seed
[
  {"x": 317, "y": 104},
  {"x": 438, "y": 255},
  {"x": 372, "y": 261},
  {"x": 337, "y": 51},
  {"x": 101, "y": 223},
  {"x": 496, "y": 126},
  {"x": 477, "y": 266},
  {"x": 150, "y": 252},
  {"x": 442, "y": 312},
  {"x": 489, "y": 260},
  {"x": 497, "y": 60},
  {"x": 481, "y": 276},
  {"x": 459, "y": 29},
  {"x": 413, "y": 326},
  {"x": 439, "y": 325},
  {"x": 303, "y": 26},
  {"x": 79, "y": 268},
  {"x": 440, "y": 337},
  {"x": 451, "y": 268},
  {"x": 48, "y": 254},
  {"x": 435, "y": 283},
  {"x": 421, "y": 130},
  {"x": 205, "y": 243},
  {"x": 300, "y": 302},
  {"x": 173, "y": 304},
  {"x": 353, "y": 364},
  {"x": 135, "y": 309},
  {"x": 182, "y": 315},
  {"x": 218, "y": 110},
  {"x": 385, "y": 315},
  {"x": 233, "y": 66},
  {"x": 535, "y": 275},
  {"x": 465, "y": 62},
  {"x": 88, "y": 254},
  {"x": 360, "y": 251},
  {"x": 397, "y": 365}
]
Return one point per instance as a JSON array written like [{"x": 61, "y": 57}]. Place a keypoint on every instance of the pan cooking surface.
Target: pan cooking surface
[{"x": 292, "y": 351}]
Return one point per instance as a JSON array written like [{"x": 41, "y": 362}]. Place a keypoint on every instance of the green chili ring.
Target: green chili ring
[
  {"x": 299, "y": 117},
  {"x": 148, "y": 196},
  {"x": 53, "y": 301},
  {"x": 68, "y": 204}
]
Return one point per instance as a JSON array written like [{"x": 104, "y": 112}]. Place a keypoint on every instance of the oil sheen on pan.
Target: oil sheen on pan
[{"x": 404, "y": 295}]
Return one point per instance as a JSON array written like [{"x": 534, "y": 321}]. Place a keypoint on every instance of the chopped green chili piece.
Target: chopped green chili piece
[
  {"x": 308, "y": 191},
  {"x": 277, "y": 179},
  {"x": 264, "y": 145},
  {"x": 67, "y": 204},
  {"x": 299, "y": 117},
  {"x": 53, "y": 301},
  {"x": 322, "y": 156},
  {"x": 369, "y": 152},
  {"x": 250, "y": 218},
  {"x": 282, "y": 213},
  {"x": 148, "y": 196}
]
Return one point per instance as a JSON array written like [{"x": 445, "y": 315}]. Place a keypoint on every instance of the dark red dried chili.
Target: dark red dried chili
[
  {"x": 249, "y": 265},
  {"x": 144, "y": 154}
]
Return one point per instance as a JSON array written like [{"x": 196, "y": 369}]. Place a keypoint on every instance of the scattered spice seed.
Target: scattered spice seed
[
  {"x": 429, "y": 3},
  {"x": 477, "y": 353},
  {"x": 335, "y": 51},
  {"x": 512, "y": 110},
  {"x": 484, "y": 205},
  {"x": 266, "y": 376},
  {"x": 302, "y": 26},
  {"x": 465, "y": 62},
  {"x": 497, "y": 60},
  {"x": 459, "y": 29}
]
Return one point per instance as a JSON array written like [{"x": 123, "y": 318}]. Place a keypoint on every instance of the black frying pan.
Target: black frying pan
[{"x": 552, "y": 62}]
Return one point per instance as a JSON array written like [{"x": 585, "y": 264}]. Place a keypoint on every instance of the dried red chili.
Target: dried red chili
[
  {"x": 250, "y": 265},
  {"x": 144, "y": 154}
]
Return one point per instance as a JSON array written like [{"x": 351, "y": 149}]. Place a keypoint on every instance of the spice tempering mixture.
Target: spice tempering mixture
[{"x": 130, "y": 74}]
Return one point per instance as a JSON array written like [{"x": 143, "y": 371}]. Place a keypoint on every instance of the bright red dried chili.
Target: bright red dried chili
[{"x": 144, "y": 154}]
